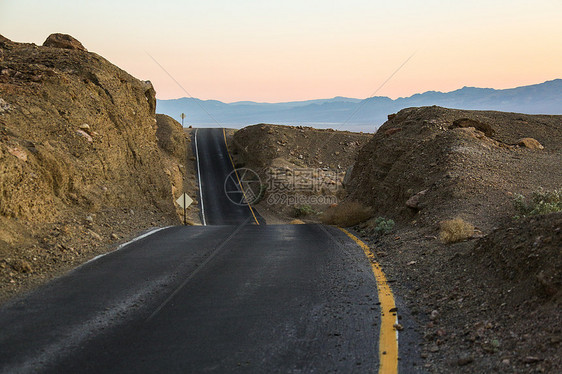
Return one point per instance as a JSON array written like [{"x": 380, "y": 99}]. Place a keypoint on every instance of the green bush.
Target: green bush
[
  {"x": 383, "y": 226},
  {"x": 541, "y": 202},
  {"x": 304, "y": 210}
]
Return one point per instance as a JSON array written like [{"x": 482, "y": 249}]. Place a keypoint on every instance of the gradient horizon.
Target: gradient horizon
[{"x": 272, "y": 51}]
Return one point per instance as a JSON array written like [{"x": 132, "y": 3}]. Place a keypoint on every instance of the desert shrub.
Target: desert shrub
[
  {"x": 304, "y": 210},
  {"x": 346, "y": 214},
  {"x": 383, "y": 226},
  {"x": 541, "y": 202},
  {"x": 455, "y": 230}
]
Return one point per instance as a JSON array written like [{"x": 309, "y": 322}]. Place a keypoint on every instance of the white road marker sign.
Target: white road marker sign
[{"x": 184, "y": 201}]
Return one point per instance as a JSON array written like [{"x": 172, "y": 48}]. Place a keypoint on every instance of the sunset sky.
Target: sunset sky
[{"x": 307, "y": 49}]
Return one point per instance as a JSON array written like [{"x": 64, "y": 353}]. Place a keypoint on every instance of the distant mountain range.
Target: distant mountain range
[{"x": 345, "y": 113}]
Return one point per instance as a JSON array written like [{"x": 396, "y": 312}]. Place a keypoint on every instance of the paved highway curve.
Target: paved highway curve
[{"x": 231, "y": 296}]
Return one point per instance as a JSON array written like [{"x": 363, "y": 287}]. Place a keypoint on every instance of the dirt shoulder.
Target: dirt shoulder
[
  {"x": 85, "y": 162},
  {"x": 479, "y": 305}
]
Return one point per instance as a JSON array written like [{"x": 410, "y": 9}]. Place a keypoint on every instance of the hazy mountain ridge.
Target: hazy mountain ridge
[{"x": 366, "y": 115}]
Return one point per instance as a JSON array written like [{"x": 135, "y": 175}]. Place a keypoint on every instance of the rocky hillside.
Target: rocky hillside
[
  {"x": 83, "y": 162},
  {"x": 296, "y": 164},
  {"x": 428, "y": 164}
]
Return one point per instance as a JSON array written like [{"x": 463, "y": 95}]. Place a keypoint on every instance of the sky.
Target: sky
[{"x": 274, "y": 51}]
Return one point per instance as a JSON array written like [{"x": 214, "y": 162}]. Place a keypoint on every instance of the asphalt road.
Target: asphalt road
[
  {"x": 223, "y": 199},
  {"x": 222, "y": 298}
]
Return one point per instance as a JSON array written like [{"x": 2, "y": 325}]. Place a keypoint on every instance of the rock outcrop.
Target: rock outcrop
[
  {"x": 63, "y": 41},
  {"x": 83, "y": 124},
  {"x": 78, "y": 139}
]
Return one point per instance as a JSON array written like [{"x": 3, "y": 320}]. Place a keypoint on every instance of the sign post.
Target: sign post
[
  {"x": 184, "y": 201},
  {"x": 182, "y": 117}
]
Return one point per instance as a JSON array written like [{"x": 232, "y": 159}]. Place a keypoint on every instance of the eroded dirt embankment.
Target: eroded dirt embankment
[
  {"x": 84, "y": 164},
  {"x": 302, "y": 169}
]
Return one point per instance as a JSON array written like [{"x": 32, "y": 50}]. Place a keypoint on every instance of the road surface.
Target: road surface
[
  {"x": 222, "y": 205},
  {"x": 232, "y": 296}
]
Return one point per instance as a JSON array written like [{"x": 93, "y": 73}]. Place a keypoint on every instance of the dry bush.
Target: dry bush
[
  {"x": 346, "y": 214},
  {"x": 455, "y": 230}
]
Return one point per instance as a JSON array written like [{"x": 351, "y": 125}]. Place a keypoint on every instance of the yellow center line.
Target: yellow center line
[
  {"x": 237, "y": 177},
  {"x": 388, "y": 337}
]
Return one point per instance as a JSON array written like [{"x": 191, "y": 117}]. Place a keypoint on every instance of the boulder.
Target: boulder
[
  {"x": 85, "y": 135},
  {"x": 415, "y": 200},
  {"x": 467, "y": 122},
  {"x": 530, "y": 143},
  {"x": 64, "y": 41}
]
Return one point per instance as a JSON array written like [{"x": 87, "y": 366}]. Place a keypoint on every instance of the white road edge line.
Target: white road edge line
[
  {"x": 121, "y": 246},
  {"x": 199, "y": 180}
]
